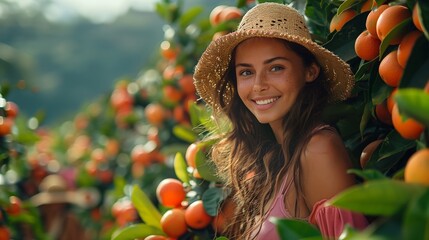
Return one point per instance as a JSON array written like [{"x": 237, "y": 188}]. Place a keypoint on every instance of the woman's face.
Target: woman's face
[{"x": 269, "y": 78}]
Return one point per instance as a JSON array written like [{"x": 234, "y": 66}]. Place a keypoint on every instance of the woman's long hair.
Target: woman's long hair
[{"x": 250, "y": 160}]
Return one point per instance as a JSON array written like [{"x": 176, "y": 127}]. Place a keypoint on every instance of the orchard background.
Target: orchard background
[{"x": 135, "y": 163}]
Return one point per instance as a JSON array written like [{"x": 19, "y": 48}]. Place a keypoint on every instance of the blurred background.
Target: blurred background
[{"x": 65, "y": 53}]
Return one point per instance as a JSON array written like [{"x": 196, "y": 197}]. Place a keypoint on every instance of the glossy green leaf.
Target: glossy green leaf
[
  {"x": 346, "y": 5},
  {"x": 413, "y": 103},
  {"x": 392, "y": 144},
  {"x": 205, "y": 167},
  {"x": 136, "y": 231},
  {"x": 380, "y": 197},
  {"x": 184, "y": 133},
  {"x": 424, "y": 8},
  {"x": 416, "y": 218},
  {"x": 180, "y": 168},
  {"x": 402, "y": 28},
  {"x": 294, "y": 229},
  {"x": 365, "y": 117},
  {"x": 221, "y": 238},
  {"x": 368, "y": 174},
  {"x": 147, "y": 211},
  {"x": 187, "y": 17},
  {"x": 211, "y": 199}
]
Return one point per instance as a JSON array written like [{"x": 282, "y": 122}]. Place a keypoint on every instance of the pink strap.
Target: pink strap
[{"x": 331, "y": 220}]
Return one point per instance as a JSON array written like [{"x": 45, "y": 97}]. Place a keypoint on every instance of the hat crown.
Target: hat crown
[{"x": 274, "y": 17}]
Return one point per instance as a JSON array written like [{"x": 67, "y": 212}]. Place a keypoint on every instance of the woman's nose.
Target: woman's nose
[{"x": 260, "y": 83}]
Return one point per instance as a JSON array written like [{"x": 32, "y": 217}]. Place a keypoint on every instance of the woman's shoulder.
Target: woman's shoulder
[{"x": 324, "y": 139}]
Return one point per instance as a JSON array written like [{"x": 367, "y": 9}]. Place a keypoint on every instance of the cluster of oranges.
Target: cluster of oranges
[
  {"x": 399, "y": 27},
  {"x": 222, "y": 14},
  {"x": 9, "y": 111}
]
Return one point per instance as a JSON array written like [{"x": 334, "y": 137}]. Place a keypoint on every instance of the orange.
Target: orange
[
  {"x": 371, "y": 19},
  {"x": 406, "y": 46},
  {"x": 155, "y": 113},
  {"x": 389, "y": 19},
  {"x": 417, "y": 168},
  {"x": 196, "y": 216},
  {"x": 15, "y": 206},
  {"x": 6, "y": 125},
  {"x": 98, "y": 155},
  {"x": 191, "y": 154},
  {"x": 416, "y": 18},
  {"x": 390, "y": 70},
  {"x": 390, "y": 101},
  {"x": 172, "y": 94},
  {"x": 11, "y": 109},
  {"x": 225, "y": 213},
  {"x": 366, "y": 46},
  {"x": 4, "y": 233},
  {"x": 121, "y": 99},
  {"x": 368, "y": 151},
  {"x": 168, "y": 51},
  {"x": 338, "y": 21},
  {"x": 173, "y": 222},
  {"x": 215, "y": 15},
  {"x": 230, "y": 13},
  {"x": 409, "y": 128},
  {"x": 140, "y": 154},
  {"x": 170, "y": 192},
  {"x": 186, "y": 83},
  {"x": 382, "y": 113}
]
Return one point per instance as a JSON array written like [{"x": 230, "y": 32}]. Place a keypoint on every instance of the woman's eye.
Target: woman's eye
[
  {"x": 276, "y": 68},
  {"x": 245, "y": 73}
]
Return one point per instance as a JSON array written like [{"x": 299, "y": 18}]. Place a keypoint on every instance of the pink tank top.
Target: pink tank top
[{"x": 278, "y": 210}]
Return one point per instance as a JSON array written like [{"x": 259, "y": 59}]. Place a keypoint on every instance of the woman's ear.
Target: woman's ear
[{"x": 312, "y": 72}]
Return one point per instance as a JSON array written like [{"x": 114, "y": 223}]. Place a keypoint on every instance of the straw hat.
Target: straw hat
[
  {"x": 53, "y": 189},
  {"x": 271, "y": 20}
]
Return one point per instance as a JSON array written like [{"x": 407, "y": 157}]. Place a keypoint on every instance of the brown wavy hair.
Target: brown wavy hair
[{"x": 251, "y": 162}]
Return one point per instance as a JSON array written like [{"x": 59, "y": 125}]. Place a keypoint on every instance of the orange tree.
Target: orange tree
[{"x": 396, "y": 207}]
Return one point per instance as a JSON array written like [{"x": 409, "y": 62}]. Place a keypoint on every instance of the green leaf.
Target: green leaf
[
  {"x": 221, "y": 238},
  {"x": 368, "y": 174},
  {"x": 416, "y": 219},
  {"x": 189, "y": 16},
  {"x": 346, "y": 5},
  {"x": 379, "y": 197},
  {"x": 365, "y": 117},
  {"x": 184, "y": 133},
  {"x": 147, "y": 211},
  {"x": 136, "y": 231},
  {"x": 292, "y": 229},
  {"x": 401, "y": 29},
  {"x": 392, "y": 144},
  {"x": 424, "y": 18},
  {"x": 205, "y": 167},
  {"x": 413, "y": 103},
  {"x": 211, "y": 199},
  {"x": 180, "y": 168}
]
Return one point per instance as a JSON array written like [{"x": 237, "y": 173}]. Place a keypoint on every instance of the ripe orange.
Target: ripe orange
[
  {"x": 186, "y": 83},
  {"x": 390, "y": 101},
  {"x": 15, "y": 206},
  {"x": 338, "y": 21},
  {"x": 389, "y": 19},
  {"x": 173, "y": 222},
  {"x": 140, "y": 154},
  {"x": 155, "y": 113},
  {"x": 170, "y": 192},
  {"x": 196, "y": 216},
  {"x": 371, "y": 19},
  {"x": 215, "y": 15},
  {"x": 408, "y": 129},
  {"x": 230, "y": 13},
  {"x": 368, "y": 151},
  {"x": 406, "y": 46},
  {"x": 417, "y": 168},
  {"x": 390, "y": 70},
  {"x": 225, "y": 213},
  {"x": 172, "y": 94},
  {"x": 366, "y": 46},
  {"x": 191, "y": 154},
  {"x": 6, "y": 125},
  {"x": 98, "y": 155},
  {"x": 4, "y": 233},
  {"x": 121, "y": 99},
  {"x": 11, "y": 109},
  {"x": 168, "y": 51},
  {"x": 416, "y": 18},
  {"x": 382, "y": 113}
]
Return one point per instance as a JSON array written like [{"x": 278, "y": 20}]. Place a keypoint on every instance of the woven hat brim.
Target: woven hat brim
[{"x": 214, "y": 62}]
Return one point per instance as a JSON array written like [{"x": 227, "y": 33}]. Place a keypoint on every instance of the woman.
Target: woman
[{"x": 279, "y": 159}]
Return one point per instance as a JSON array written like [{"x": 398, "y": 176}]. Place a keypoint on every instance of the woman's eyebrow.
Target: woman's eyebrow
[{"x": 270, "y": 60}]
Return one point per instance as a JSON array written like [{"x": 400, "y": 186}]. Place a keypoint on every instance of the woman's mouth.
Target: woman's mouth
[{"x": 266, "y": 101}]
